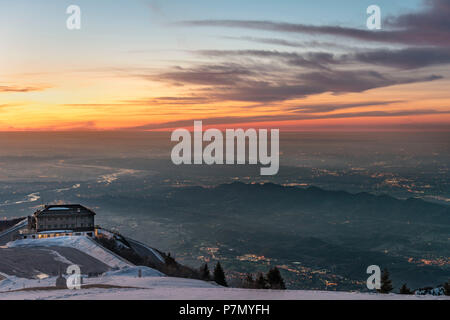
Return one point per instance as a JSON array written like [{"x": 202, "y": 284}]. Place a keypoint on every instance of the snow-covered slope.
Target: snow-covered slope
[
  {"x": 137, "y": 282},
  {"x": 81, "y": 243},
  {"x": 154, "y": 287}
]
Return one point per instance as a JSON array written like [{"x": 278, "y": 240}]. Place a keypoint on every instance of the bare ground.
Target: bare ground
[{"x": 30, "y": 262}]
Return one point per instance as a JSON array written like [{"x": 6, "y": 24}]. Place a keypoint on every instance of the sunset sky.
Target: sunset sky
[{"x": 158, "y": 65}]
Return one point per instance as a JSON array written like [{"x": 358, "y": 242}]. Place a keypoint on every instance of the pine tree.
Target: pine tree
[
  {"x": 447, "y": 288},
  {"x": 275, "y": 279},
  {"x": 386, "y": 283},
  {"x": 219, "y": 275},
  {"x": 248, "y": 282},
  {"x": 261, "y": 282},
  {"x": 204, "y": 272},
  {"x": 405, "y": 290},
  {"x": 169, "y": 260}
]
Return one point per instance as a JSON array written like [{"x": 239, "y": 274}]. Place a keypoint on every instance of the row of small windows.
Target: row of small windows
[
  {"x": 65, "y": 218},
  {"x": 56, "y": 235}
]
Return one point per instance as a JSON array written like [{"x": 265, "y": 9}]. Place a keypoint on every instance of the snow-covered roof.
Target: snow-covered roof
[{"x": 65, "y": 209}]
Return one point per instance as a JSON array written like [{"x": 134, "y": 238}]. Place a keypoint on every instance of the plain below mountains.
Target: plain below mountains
[{"x": 317, "y": 236}]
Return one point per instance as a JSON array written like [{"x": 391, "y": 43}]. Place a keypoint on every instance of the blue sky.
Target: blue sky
[
  {"x": 141, "y": 24},
  {"x": 39, "y": 25},
  {"x": 130, "y": 17}
]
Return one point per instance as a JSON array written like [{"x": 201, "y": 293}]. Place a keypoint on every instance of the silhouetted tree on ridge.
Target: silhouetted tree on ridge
[
  {"x": 405, "y": 290},
  {"x": 219, "y": 275},
  {"x": 275, "y": 279},
  {"x": 386, "y": 283}
]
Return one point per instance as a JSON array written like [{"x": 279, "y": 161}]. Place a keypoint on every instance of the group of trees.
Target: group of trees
[
  {"x": 174, "y": 269},
  {"x": 447, "y": 288},
  {"x": 218, "y": 275},
  {"x": 170, "y": 267},
  {"x": 272, "y": 280},
  {"x": 386, "y": 285}
]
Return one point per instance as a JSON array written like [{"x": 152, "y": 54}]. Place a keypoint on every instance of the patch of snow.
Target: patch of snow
[
  {"x": 59, "y": 257},
  {"x": 17, "y": 226},
  {"x": 155, "y": 253},
  {"x": 134, "y": 272},
  {"x": 155, "y": 287},
  {"x": 168, "y": 288},
  {"x": 16, "y": 283},
  {"x": 82, "y": 243}
]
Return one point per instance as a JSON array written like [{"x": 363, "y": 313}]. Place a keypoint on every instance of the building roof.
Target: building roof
[{"x": 65, "y": 209}]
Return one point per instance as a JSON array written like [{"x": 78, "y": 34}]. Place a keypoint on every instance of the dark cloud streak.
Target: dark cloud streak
[
  {"x": 428, "y": 27},
  {"x": 238, "y": 84},
  {"x": 20, "y": 89},
  {"x": 407, "y": 58},
  {"x": 232, "y": 120}
]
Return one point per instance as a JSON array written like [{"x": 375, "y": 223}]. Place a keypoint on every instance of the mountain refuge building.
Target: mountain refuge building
[{"x": 59, "y": 220}]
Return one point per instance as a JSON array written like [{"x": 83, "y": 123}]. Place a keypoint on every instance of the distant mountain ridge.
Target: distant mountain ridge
[
  {"x": 275, "y": 195},
  {"x": 305, "y": 230},
  {"x": 335, "y": 230}
]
